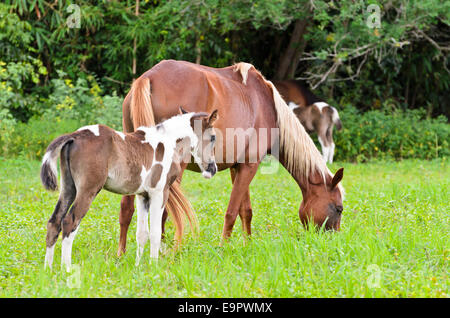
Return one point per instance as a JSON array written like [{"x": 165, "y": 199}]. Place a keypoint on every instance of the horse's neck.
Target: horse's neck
[{"x": 302, "y": 181}]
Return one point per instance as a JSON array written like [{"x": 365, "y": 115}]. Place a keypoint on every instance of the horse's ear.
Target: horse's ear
[
  {"x": 182, "y": 111},
  {"x": 213, "y": 117},
  {"x": 337, "y": 178}
]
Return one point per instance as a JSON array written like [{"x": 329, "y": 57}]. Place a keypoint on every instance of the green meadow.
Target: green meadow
[{"x": 394, "y": 240}]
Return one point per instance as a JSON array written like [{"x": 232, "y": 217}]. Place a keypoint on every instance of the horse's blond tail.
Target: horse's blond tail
[
  {"x": 178, "y": 207},
  {"x": 141, "y": 105}
]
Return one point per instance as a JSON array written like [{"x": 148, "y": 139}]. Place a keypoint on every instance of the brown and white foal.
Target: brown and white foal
[
  {"x": 313, "y": 113},
  {"x": 145, "y": 163}
]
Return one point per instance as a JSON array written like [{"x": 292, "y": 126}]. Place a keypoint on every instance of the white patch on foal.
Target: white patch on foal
[
  {"x": 121, "y": 134},
  {"x": 320, "y": 105},
  {"x": 171, "y": 130},
  {"x": 293, "y": 106},
  {"x": 49, "y": 256},
  {"x": 93, "y": 128},
  {"x": 66, "y": 250}
]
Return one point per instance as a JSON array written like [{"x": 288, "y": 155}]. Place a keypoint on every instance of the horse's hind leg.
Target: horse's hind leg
[
  {"x": 66, "y": 197},
  {"x": 125, "y": 216}
]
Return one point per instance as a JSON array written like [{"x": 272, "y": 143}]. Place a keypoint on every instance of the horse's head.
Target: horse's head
[
  {"x": 323, "y": 202},
  {"x": 203, "y": 126}
]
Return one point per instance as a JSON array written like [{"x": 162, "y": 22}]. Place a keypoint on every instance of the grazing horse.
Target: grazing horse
[
  {"x": 145, "y": 163},
  {"x": 249, "y": 105},
  {"x": 314, "y": 114}
]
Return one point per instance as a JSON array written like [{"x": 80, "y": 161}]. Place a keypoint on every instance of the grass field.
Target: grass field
[{"x": 394, "y": 240}]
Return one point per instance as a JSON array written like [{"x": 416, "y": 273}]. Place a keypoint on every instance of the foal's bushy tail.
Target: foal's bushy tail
[
  {"x": 49, "y": 171},
  {"x": 335, "y": 118}
]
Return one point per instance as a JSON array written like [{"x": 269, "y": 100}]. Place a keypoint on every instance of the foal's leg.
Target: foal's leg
[
  {"x": 322, "y": 136},
  {"x": 142, "y": 232},
  {"x": 244, "y": 175},
  {"x": 329, "y": 136},
  {"x": 157, "y": 204},
  {"x": 66, "y": 198},
  {"x": 54, "y": 226},
  {"x": 245, "y": 208},
  {"x": 125, "y": 216},
  {"x": 71, "y": 221}
]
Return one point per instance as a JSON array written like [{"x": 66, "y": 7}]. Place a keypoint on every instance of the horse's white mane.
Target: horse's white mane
[{"x": 243, "y": 68}]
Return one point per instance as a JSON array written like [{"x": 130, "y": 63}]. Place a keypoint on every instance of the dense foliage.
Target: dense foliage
[{"x": 56, "y": 74}]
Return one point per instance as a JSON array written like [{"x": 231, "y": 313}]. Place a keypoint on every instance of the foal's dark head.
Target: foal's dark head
[{"x": 203, "y": 126}]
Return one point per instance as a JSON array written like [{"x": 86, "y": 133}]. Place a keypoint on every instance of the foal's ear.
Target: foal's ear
[
  {"x": 213, "y": 117},
  {"x": 337, "y": 178},
  {"x": 182, "y": 111}
]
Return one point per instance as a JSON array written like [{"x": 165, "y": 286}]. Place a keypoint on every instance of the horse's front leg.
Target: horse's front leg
[
  {"x": 244, "y": 175},
  {"x": 157, "y": 204},
  {"x": 245, "y": 210}
]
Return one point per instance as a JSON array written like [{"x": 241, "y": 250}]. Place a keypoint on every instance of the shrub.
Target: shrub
[
  {"x": 390, "y": 134},
  {"x": 68, "y": 107},
  {"x": 30, "y": 139}
]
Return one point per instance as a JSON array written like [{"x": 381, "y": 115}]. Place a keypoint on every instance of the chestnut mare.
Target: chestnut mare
[
  {"x": 313, "y": 112},
  {"x": 245, "y": 100}
]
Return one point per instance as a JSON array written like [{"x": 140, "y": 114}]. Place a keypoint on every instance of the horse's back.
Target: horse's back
[{"x": 202, "y": 88}]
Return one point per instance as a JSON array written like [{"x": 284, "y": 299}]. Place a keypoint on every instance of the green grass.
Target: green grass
[{"x": 394, "y": 240}]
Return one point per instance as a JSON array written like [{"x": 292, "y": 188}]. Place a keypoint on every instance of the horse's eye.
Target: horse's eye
[{"x": 339, "y": 209}]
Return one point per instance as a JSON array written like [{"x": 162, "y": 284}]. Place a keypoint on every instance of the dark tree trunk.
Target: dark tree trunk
[{"x": 288, "y": 61}]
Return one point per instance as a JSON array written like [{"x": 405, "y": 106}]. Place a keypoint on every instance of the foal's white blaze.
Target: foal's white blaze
[
  {"x": 293, "y": 106},
  {"x": 320, "y": 105},
  {"x": 66, "y": 250},
  {"x": 121, "y": 134},
  {"x": 49, "y": 256},
  {"x": 93, "y": 128}
]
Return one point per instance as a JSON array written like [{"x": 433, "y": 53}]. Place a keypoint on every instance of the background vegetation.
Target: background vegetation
[
  {"x": 390, "y": 82},
  {"x": 54, "y": 78}
]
